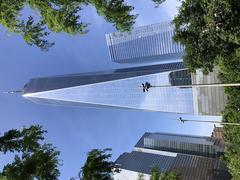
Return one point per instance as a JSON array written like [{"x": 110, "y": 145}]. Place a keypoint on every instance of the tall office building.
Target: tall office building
[
  {"x": 151, "y": 43},
  {"x": 190, "y": 157},
  {"x": 122, "y": 88},
  {"x": 179, "y": 143}
]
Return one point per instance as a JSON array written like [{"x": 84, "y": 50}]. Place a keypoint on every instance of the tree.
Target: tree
[
  {"x": 230, "y": 68},
  {"x": 98, "y": 166},
  {"x": 33, "y": 159},
  {"x": 207, "y": 29},
  {"x": 156, "y": 175},
  {"x": 168, "y": 176},
  {"x": 60, "y": 16},
  {"x": 34, "y": 34},
  {"x": 116, "y": 12},
  {"x": 158, "y": 2}
]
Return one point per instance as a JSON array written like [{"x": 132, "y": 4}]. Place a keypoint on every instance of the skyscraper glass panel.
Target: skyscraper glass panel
[
  {"x": 144, "y": 44},
  {"x": 119, "y": 88},
  {"x": 122, "y": 88},
  {"x": 186, "y": 144}
]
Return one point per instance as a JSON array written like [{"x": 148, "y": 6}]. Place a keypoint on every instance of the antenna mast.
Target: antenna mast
[{"x": 11, "y": 92}]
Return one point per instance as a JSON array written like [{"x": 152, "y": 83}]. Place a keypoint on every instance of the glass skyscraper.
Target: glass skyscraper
[
  {"x": 151, "y": 43},
  {"x": 122, "y": 88},
  {"x": 190, "y": 157},
  {"x": 179, "y": 143}
]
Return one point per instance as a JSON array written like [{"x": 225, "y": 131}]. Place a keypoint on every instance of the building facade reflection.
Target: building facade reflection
[{"x": 122, "y": 88}]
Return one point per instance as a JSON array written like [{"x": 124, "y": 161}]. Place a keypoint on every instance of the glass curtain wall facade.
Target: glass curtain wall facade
[
  {"x": 115, "y": 89},
  {"x": 144, "y": 44},
  {"x": 195, "y": 145},
  {"x": 188, "y": 160},
  {"x": 187, "y": 167},
  {"x": 122, "y": 88}
]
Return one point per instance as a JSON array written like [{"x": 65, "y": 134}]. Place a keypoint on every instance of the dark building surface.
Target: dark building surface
[
  {"x": 144, "y": 162},
  {"x": 187, "y": 167},
  {"x": 182, "y": 77},
  {"x": 199, "y": 168}
]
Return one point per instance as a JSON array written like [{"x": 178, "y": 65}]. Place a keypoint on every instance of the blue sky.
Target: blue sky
[{"x": 74, "y": 130}]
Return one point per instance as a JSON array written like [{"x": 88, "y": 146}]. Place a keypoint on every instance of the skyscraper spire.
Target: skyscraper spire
[{"x": 11, "y": 92}]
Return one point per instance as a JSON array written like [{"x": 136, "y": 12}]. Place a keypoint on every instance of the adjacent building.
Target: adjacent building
[
  {"x": 122, "y": 88},
  {"x": 179, "y": 143},
  {"x": 190, "y": 157},
  {"x": 151, "y": 43}
]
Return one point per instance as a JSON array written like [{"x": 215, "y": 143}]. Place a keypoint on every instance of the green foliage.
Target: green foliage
[
  {"x": 60, "y": 16},
  {"x": 33, "y": 159},
  {"x": 207, "y": 29},
  {"x": 168, "y": 176},
  {"x": 158, "y": 2},
  {"x": 41, "y": 164},
  {"x": 25, "y": 140},
  {"x": 155, "y": 175},
  {"x": 98, "y": 166},
  {"x": 3, "y": 178},
  {"x": 116, "y": 12},
  {"x": 233, "y": 163},
  {"x": 230, "y": 68},
  {"x": 34, "y": 34},
  {"x": 9, "y": 13}
]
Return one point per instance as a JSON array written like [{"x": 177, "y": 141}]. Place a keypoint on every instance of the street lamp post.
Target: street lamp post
[
  {"x": 147, "y": 85},
  {"x": 211, "y": 122}
]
